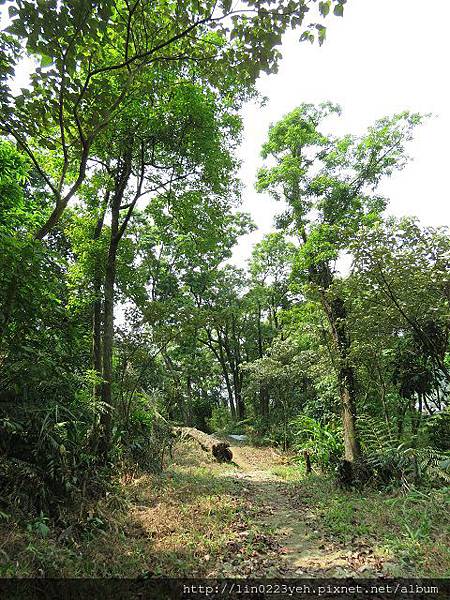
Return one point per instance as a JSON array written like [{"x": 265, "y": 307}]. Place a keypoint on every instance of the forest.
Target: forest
[{"x": 127, "y": 330}]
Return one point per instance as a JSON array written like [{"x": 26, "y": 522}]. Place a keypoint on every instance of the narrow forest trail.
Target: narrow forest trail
[
  {"x": 258, "y": 516},
  {"x": 255, "y": 517},
  {"x": 283, "y": 510}
]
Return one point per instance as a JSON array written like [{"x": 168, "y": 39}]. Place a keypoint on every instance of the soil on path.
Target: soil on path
[{"x": 299, "y": 549}]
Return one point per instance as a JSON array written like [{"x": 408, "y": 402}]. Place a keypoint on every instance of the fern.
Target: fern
[
  {"x": 404, "y": 462},
  {"x": 374, "y": 433}
]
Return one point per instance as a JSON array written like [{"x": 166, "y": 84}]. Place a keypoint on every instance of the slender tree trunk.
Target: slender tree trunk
[
  {"x": 264, "y": 402},
  {"x": 307, "y": 462},
  {"x": 226, "y": 376},
  {"x": 107, "y": 351},
  {"x": 383, "y": 398},
  {"x": 116, "y": 232},
  {"x": 232, "y": 406},
  {"x": 400, "y": 422},
  {"x": 240, "y": 406},
  {"x": 97, "y": 307},
  {"x": 263, "y": 390},
  {"x": 234, "y": 362},
  {"x": 96, "y": 339},
  {"x": 337, "y": 317},
  {"x": 416, "y": 413},
  {"x": 189, "y": 401}
]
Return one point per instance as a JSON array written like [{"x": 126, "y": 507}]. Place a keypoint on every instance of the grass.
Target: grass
[
  {"x": 179, "y": 523},
  {"x": 288, "y": 472},
  {"x": 195, "y": 520},
  {"x": 412, "y": 531}
]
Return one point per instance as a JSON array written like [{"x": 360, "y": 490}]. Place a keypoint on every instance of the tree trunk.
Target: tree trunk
[
  {"x": 233, "y": 357},
  {"x": 240, "y": 408},
  {"x": 96, "y": 339},
  {"x": 226, "y": 376},
  {"x": 107, "y": 351},
  {"x": 219, "y": 449},
  {"x": 97, "y": 307},
  {"x": 337, "y": 317},
  {"x": 346, "y": 385},
  {"x": 263, "y": 390},
  {"x": 346, "y": 379},
  {"x": 307, "y": 462},
  {"x": 116, "y": 233},
  {"x": 188, "y": 420},
  {"x": 264, "y": 402}
]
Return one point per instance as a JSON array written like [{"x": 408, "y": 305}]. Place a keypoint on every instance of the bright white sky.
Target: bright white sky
[{"x": 382, "y": 57}]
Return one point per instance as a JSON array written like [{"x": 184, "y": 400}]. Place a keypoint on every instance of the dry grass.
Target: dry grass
[
  {"x": 202, "y": 518},
  {"x": 174, "y": 524}
]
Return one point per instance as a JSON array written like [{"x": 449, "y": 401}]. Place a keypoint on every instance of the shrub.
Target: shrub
[
  {"x": 222, "y": 422},
  {"x": 147, "y": 436},
  {"x": 323, "y": 442}
]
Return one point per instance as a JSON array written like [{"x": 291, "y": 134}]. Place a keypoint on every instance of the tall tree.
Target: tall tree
[
  {"x": 178, "y": 145},
  {"x": 270, "y": 268},
  {"x": 329, "y": 184}
]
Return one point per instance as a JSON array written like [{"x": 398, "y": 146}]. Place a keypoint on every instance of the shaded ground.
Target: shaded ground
[
  {"x": 301, "y": 548},
  {"x": 259, "y": 516}
]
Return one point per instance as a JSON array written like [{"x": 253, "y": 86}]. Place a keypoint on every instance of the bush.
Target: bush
[
  {"x": 437, "y": 429},
  {"x": 418, "y": 459},
  {"x": 323, "y": 442},
  {"x": 222, "y": 422},
  {"x": 148, "y": 435},
  {"x": 46, "y": 458},
  {"x": 408, "y": 466}
]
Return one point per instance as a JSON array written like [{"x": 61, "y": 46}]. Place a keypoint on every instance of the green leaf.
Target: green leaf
[
  {"x": 42, "y": 529},
  {"x": 324, "y": 8},
  {"x": 46, "y": 61}
]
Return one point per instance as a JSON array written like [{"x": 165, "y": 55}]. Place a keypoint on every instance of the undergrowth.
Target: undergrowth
[
  {"x": 412, "y": 530},
  {"x": 199, "y": 518},
  {"x": 176, "y": 523}
]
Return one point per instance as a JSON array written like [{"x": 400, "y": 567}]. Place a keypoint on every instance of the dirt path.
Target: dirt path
[{"x": 302, "y": 549}]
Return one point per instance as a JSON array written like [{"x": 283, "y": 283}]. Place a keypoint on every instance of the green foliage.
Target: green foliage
[
  {"x": 222, "y": 422},
  {"x": 148, "y": 436},
  {"x": 437, "y": 430},
  {"x": 39, "y": 526},
  {"x": 323, "y": 442},
  {"x": 76, "y": 96},
  {"x": 120, "y": 313},
  {"x": 143, "y": 147},
  {"x": 409, "y": 463}
]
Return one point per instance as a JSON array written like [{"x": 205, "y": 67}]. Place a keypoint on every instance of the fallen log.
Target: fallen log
[{"x": 219, "y": 449}]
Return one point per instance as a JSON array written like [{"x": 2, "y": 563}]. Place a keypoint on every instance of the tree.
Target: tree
[
  {"x": 90, "y": 57},
  {"x": 329, "y": 185},
  {"x": 270, "y": 269},
  {"x": 178, "y": 146},
  {"x": 398, "y": 297}
]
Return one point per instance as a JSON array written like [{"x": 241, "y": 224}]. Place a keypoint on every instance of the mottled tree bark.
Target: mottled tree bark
[
  {"x": 116, "y": 233},
  {"x": 337, "y": 318}
]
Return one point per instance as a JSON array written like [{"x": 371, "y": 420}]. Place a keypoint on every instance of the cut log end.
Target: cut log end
[{"x": 220, "y": 450}]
